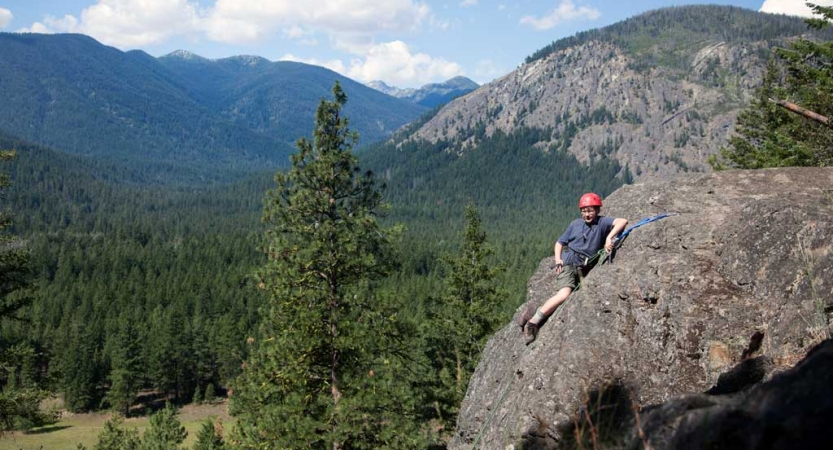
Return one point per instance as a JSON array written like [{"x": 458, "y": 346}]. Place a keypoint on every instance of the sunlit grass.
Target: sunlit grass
[{"x": 84, "y": 428}]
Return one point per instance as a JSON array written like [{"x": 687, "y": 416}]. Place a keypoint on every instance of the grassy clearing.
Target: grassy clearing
[{"x": 74, "y": 429}]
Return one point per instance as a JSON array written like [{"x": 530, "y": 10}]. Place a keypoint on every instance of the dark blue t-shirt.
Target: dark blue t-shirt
[{"x": 581, "y": 241}]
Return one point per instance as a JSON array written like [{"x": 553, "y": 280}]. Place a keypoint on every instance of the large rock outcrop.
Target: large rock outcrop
[
  {"x": 738, "y": 285},
  {"x": 791, "y": 411}
]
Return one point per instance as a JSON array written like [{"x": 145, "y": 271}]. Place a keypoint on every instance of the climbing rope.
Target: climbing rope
[
  {"x": 492, "y": 414},
  {"x": 603, "y": 255}
]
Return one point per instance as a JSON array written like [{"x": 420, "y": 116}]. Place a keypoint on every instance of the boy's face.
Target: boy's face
[{"x": 589, "y": 213}]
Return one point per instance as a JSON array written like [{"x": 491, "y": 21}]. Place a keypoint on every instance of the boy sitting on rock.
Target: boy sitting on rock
[{"x": 583, "y": 238}]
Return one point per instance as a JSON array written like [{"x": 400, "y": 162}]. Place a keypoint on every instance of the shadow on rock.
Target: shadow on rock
[
  {"x": 792, "y": 410},
  {"x": 604, "y": 420}
]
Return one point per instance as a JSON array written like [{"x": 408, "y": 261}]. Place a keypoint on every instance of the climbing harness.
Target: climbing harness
[{"x": 600, "y": 255}]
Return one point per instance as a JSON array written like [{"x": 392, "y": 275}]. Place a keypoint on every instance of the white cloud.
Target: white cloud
[
  {"x": 294, "y": 32},
  {"x": 501, "y": 7},
  {"x": 252, "y": 18},
  {"x": 5, "y": 17},
  {"x": 66, "y": 24},
  {"x": 232, "y": 30},
  {"x": 792, "y": 7},
  {"x": 565, "y": 11},
  {"x": 394, "y": 63},
  {"x": 439, "y": 24},
  {"x": 127, "y": 23},
  {"x": 487, "y": 71},
  {"x": 335, "y": 65},
  {"x": 357, "y": 44},
  {"x": 131, "y": 23},
  {"x": 467, "y": 3},
  {"x": 350, "y": 25}
]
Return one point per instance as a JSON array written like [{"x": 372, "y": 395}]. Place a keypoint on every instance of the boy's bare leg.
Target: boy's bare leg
[
  {"x": 551, "y": 305},
  {"x": 531, "y": 327}
]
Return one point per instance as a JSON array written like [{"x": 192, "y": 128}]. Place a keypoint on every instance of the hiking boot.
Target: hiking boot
[
  {"x": 526, "y": 316},
  {"x": 530, "y": 332}
]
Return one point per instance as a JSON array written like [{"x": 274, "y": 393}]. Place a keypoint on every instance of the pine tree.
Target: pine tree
[
  {"x": 165, "y": 431},
  {"x": 325, "y": 371},
  {"x": 126, "y": 366},
  {"x": 20, "y": 396},
  {"x": 464, "y": 318},
  {"x": 208, "y": 438},
  {"x": 15, "y": 273},
  {"x": 770, "y": 136},
  {"x": 809, "y": 83},
  {"x": 765, "y": 132},
  {"x": 197, "y": 397},
  {"x": 79, "y": 369},
  {"x": 114, "y": 437},
  {"x": 210, "y": 396}
]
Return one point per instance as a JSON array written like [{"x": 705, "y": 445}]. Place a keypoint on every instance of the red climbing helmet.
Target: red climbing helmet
[{"x": 589, "y": 199}]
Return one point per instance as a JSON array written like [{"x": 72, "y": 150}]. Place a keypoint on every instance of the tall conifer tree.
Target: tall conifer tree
[
  {"x": 80, "y": 369},
  {"x": 464, "y": 318},
  {"x": 20, "y": 397},
  {"x": 126, "y": 365},
  {"x": 325, "y": 371}
]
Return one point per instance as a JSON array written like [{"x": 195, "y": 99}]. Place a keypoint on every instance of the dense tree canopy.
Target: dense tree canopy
[{"x": 20, "y": 383}]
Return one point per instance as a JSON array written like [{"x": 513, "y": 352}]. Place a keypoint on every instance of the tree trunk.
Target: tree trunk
[{"x": 802, "y": 111}]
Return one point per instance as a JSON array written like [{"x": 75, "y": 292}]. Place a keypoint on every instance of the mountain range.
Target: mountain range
[
  {"x": 430, "y": 95},
  {"x": 658, "y": 92},
  {"x": 179, "y": 118}
]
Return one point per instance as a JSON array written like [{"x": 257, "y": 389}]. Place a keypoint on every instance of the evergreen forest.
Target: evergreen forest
[
  {"x": 356, "y": 284},
  {"x": 144, "y": 288}
]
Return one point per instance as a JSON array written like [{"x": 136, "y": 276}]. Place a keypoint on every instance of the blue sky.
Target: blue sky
[{"x": 405, "y": 43}]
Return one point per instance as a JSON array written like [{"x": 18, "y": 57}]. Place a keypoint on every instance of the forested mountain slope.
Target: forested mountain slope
[
  {"x": 658, "y": 93},
  {"x": 188, "y": 125},
  {"x": 278, "y": 99},
  {"x": 149, "y": 281}
]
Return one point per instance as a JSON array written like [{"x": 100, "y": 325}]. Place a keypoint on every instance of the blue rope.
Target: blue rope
[
  {"x": 604, "y": 256},
  {"x": 618, "y": 241}
]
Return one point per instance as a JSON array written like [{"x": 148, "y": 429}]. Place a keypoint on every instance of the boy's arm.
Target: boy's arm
[
  {"x": 558, "y": 248},
  {"x": 619, "y": 225}
]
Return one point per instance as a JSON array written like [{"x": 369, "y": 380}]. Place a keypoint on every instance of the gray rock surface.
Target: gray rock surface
[
  {"x": 793, "y": 410},
  {"x": 744, "y": 272}
]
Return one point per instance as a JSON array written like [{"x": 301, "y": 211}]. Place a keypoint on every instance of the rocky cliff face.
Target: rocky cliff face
[
  {"x": 742, "y": 278},
  {"x": 598, "y": 102},
  {"x": 658, "y": 92}
]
